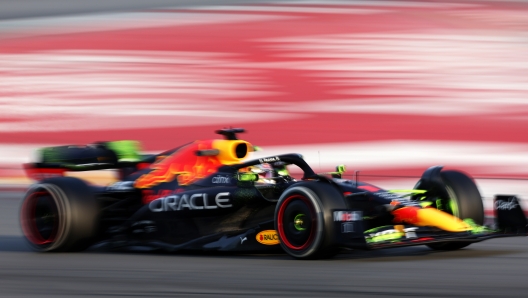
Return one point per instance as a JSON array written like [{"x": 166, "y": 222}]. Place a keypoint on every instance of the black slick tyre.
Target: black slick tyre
[
  {"x": 59, "y": 215},
  {"x": 460, "y": 197},
  {"x": 303, "y": 220}
]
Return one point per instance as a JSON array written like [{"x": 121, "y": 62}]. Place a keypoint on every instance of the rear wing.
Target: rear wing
[{"x": 55, "y": 161}]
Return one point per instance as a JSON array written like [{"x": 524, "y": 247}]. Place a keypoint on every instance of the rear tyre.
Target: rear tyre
[
  {"x": 59, "y": 214},
  {"x": 460, "y": 197},
  {"x": 303, "y": 220}
]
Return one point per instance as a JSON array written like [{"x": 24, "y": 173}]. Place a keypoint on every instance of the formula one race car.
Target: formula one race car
[{"x": 203, "y": 196}]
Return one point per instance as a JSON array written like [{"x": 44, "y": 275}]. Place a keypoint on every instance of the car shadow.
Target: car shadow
[
  {"x": 382, "y": 255},
  {"x": 422, "y": 253},
  {"x": 13, "y": 244},
  {"x": 19, "y": 244}
]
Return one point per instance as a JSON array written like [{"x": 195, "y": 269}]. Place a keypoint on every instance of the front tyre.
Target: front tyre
[
  {"x": 303, "y": 220},
  {"x": 59, "y": 214},
  {"x": 460, "y": 197}
]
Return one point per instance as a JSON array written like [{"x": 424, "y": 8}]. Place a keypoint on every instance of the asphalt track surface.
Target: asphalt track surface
[{"x": 489, "y": 269}]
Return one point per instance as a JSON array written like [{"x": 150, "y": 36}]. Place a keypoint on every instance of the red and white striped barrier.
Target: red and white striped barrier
[{"x": 385, "y": 87}]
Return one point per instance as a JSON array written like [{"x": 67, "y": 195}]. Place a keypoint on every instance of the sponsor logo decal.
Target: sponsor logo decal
[
  {"x": 221, "y": 179},
  {"x": 121, "y": 186},
  {"x": 388, "y": 195},
  {"x": 506, "y": 205},
  {"x": 396, "y": 199},
  {"x": 268, "y": 237},
  {"x": 269, "y": 159},
  {"x": 242, "y": 240},
  {"x": 348, "y": 215},
  {"x": 198, "y": 201}
]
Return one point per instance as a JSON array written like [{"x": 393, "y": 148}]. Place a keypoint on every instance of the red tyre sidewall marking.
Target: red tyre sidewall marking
[
  {"x": 281, "y": 226},
  {"x": 29, "y": 223}
]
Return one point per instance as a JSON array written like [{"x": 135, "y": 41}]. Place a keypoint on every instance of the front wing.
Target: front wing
[{"x": 509, "y": 221}]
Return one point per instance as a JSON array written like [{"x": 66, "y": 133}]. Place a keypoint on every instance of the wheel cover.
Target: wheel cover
[
  {"x": 299, "y": 222},
  {"x": 39, "y": 218},
  {"x": 296, "y": 222}
]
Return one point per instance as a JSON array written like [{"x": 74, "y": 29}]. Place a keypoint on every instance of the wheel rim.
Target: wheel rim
[
  {"x": 296, "y": 222},
  {"x": 40, "y": 218}
]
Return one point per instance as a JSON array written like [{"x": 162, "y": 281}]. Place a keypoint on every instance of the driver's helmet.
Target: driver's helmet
[{"x": 263, "y": 170}]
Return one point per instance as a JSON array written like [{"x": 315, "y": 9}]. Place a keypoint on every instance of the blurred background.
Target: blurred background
[{"x": 388, "y": 88}]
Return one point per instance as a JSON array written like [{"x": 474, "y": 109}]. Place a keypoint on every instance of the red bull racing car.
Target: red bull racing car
[{"x": 205, "y": 196}]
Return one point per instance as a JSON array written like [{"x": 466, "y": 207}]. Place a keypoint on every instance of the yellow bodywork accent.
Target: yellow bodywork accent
[
  {"x": 227, "y": 149},
  {"x": 445, "y": 221}
]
